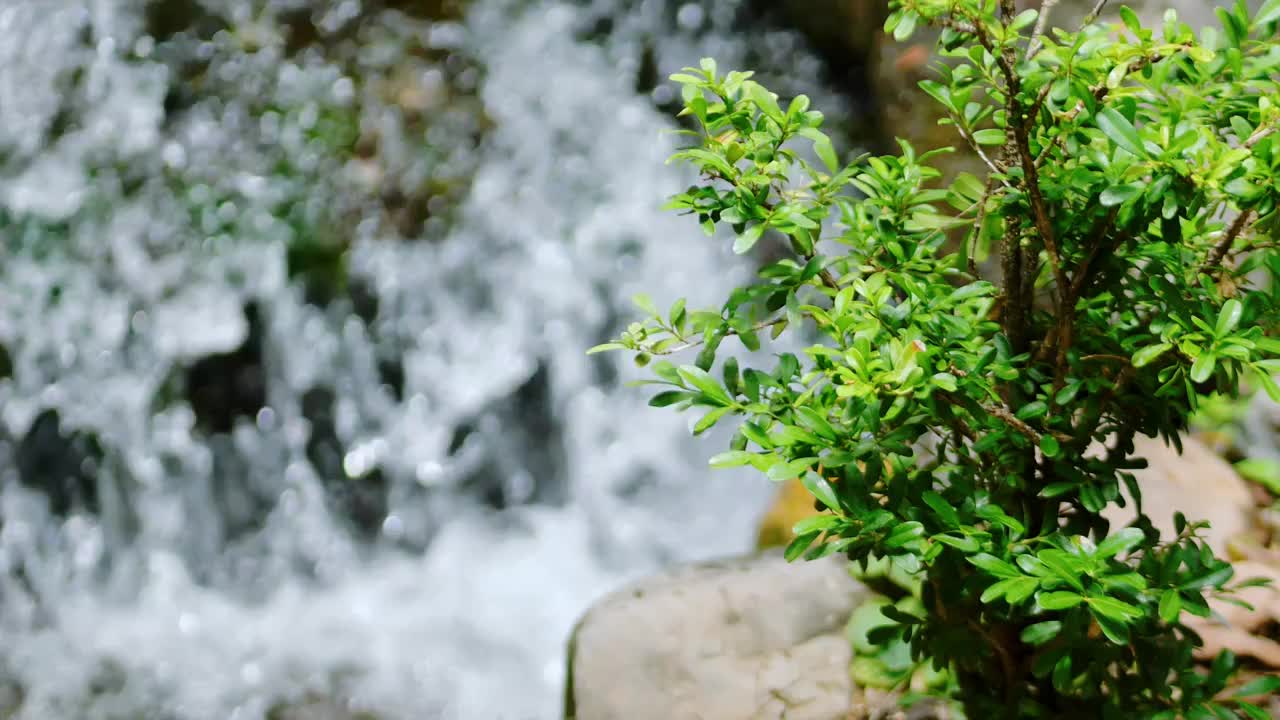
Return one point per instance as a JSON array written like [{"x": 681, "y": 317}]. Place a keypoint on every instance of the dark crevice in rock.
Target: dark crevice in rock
[
  {"x": 391, "y": 374},
  {"x": 163, "y": 19},
  {"x": 224, "y": 387},
  {"x": 647, "y": 75},
  {"x": 61, "y": 464},
  {"x": 361, "y": 500},
  {"x": 522, "y": 445}
]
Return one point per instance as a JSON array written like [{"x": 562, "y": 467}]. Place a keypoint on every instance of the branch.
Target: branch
[
  {"x": 1258, "y": 135},
  {"x": 973, "y": 142},
  {"x": 1094, "y": 13},
  {"x": 1005, "y": 414},
  {"x": 959, "y": 26},
  {"x": 1038, "y": 33},
  {"x": 1213, "y": 261}
]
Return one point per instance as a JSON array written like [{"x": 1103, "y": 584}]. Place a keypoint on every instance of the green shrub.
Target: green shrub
[{"x": 1131, "y": 193}]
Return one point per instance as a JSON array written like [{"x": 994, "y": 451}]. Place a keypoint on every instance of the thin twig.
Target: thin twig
[
  {"x": 973, "y": 142},
  {"x": 699, "y": 341},
  {"x": 1005, "y": 414},
  {"x": 1214, "y": 260},
  {"x": 1258, "y": 135},
  {"x": 1094, "y": 13},
  {"x": 1042, "y": 22}
]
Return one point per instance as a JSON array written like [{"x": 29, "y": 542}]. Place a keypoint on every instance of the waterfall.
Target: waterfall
[{"x": 294, "y": 299}]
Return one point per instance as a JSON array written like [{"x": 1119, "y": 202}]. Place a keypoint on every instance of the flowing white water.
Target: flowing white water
[{"x": 210, "y": 576}]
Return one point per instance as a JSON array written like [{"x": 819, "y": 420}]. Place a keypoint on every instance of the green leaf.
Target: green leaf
[
  {"x": 980, "y": 288},
  {"x": 1268, "y": 383},
  {"x": 1264, "y": 471},
  {"x": 904, "y": 534},
  {"x": 1201, "y": 54},
  {"x": 990, "y": 136},
  {"x": 1144, "y": 356},
  {"x": 943, "y": 508},
  {"x": 1269, "y": 12},
  {"x": 645, "y": 303},
  {"x": 1064, "y": 566},
  {"x": 764, "y": 100},
  {"x": 1023, "y": 19},
  {"x": 799, "y": 545},
  {"x": 733, "y": 458},
  {"x": 946, "y": 381},
  {"x": 906, "y": 26},
  {"x": 606, "y": 346},
  {"x": 963, "y": 544},
  {"x": 1041, "y": 632},
  {"x": 1049, "y": 446},
  {"x": 1059, "y": 600},
  {"x": 748, "y": 239},
  {"x": 670, "y": 397},
  {"x": 815, "y": 523},
  {"x": 822, "y": 147},
  {"x": 1229, "y": 317},
  {"x": 1113, "y": 196},
  {"x": 677, "y": 314},
  {"x": 710, "y": 419},
  {"x": 1116, "y": 632},
  {"x": 1261, "y": 686},
  {"x": 1119, "y": 542},
  {"x": 1014, "y": 590},
  {"x": 1053, "y": 490},
  {"x": 1170, "y": 605},
  {"x": 994, "y": 566},
  {"x": 1210, "y": 579},
  {"x": 1130, "y": 19},
  {"x": 1032, "y": 410},
  {"x": 1203, "y": 367},
  {"x": 700, "y": 379},
  {"x": 1121, "y": 131},
  {"x": 1113, "y": 609},
  {"x": 821, "y": 489},
  {"x": 1253, "y": 712}
]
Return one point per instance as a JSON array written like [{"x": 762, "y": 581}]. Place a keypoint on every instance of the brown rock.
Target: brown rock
[
  {"x": 1198, "y": 483},
  {"x": 793, "y": 504},
  {"x": 752, "y": 638}
]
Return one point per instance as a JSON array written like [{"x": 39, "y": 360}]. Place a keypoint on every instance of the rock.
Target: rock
[
  {"x": 752, "y": 638},
  {"x": 1242, "y": 629},
  {"x": 1198, "y": 483}
]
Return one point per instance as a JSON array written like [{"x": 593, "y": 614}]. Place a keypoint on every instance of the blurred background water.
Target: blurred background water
[{"x": 294, "y": 299}]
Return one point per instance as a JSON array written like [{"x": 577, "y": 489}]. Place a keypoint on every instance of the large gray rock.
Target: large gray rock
[{"x": 752, "y": 638}]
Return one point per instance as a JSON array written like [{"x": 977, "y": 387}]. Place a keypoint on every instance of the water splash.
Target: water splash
[{"x": 229, "y": 479}]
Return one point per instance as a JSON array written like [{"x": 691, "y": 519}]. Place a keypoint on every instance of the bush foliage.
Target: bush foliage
[{"x": 972, "y": 432}]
